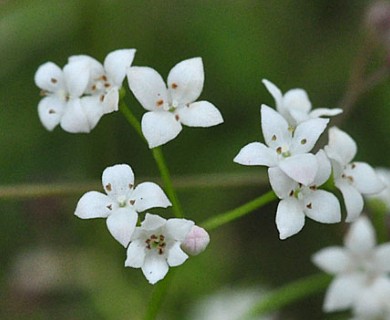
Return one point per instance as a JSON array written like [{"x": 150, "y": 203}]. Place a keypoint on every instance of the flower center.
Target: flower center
[
  {"x": 283, "y": 151},
  {"x": 156, "y": 242}
]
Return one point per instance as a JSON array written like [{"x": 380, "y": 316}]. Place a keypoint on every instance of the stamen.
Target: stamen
[
  {"x": 51, "y": 111},
  {"x": 109, "y": 187},
  {"x": 177, "y": 117},
  {"x": 309, "y": 206},
  {"x": 109, "y": 207},
  {"x": 273, "y": 138},
  {"x": 159, "y": 103},
  {"x": 132, "y": 202},
  {"x": 53, "y": 80},
  {"x": 174, "y": 85},
  {"x": 279, "y": 150},
  {"x": 303, "y": 141}
]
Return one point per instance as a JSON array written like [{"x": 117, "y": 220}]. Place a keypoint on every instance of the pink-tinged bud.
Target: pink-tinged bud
[
  {"x": 196, "y": 241},
  {"x": 378, "y": 20}
]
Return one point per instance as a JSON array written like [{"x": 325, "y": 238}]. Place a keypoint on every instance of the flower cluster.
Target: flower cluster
[
  {"x": 157, "y": 243},
  {"x": 77, "y": 96},
  {"x": 362, "y": 272},
  {"x": 290, "y": 133}
]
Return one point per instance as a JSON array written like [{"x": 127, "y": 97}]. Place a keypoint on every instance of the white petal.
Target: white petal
[
  {"x": 149, "y": 195},
  {"x": 95, "y": 68},
  {"x": 275, "y": 128},
  {"x": 111, "y": 101},
  {"x": 93, "y": 110},
  {"x": 382, "y": 257},
  {"x": 136, "y": 254},
  {"x": 281, "y": 183},
  {"x": 185, "y": 80},
  {"x": 76, "y": 75},
  {"x": 290, "y": 218},
  {"x": 94, "y": 204},
  {"x": 332, "y": 260},
  {"x": 116, "y": 64},
  {"x": 159, "y": 127},
  {"x": 301, "y": 167},
  {"x": 341, "y": 147},
  {"x": 306, "y": 135},
  {"x": 324, "y": 168},
  {"x": 322, "y": 206},
  {"x": 342, "y": 292},
  {"x": 178, "y": 229},
  {"x": 118, "y": 181},
  {"x": 121, "y": 224},
  {"x": 153, "y": 222},
  {"x": 74, "y": 119},
  {"x": 155, "y": 267},
  {"x": 364, "y": 177},
  {"x": 275, "y": 92},
  {"x": 176, "y": 256},
  {"x": 360, "y": 238},
  {"x": 148, "y": 87},
  {"x": 199, "y": 114},
  {"x": 297, "y": 102},
  {"x": 352, "y": 198},
  {"x": 321, "y": 112},
  {"x": 256, "y": 154},
  {"x": 49, "y": 77},
  {"x": 50, "y": 111}
]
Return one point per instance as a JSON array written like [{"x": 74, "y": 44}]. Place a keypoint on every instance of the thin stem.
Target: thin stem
[
  {"x": 160, "y": 161},
  {"x": 289, "y": 294},
  {"x": 234, "y": 214}
]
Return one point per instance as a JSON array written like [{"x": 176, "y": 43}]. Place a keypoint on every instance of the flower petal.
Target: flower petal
[
  {"x": 290, "y": 218},
  {"x": 93, "y": 110},
  {"x": 185, "y": 80},
  {"x": 332, "y": 260},
  {"x": 149, "y": 195},
  {"x": 153, "y": 222},
  {"x": 77, "y": 75},
  {"x": 322, "y": 206},
  {"x": 148, "y": 87},
  {"x": 155, "y": 267},
  {"x": 275, "y": 128},
  {"x": 159, "y": 127},
  {"x": 94, "y": 204},
  {"x": 49, "y": 77},
  {"x": 281, "y": 183},
  {"x": 116, "y": 64},
  {"x": 382, "y": 257},
  {"x": 342, "y": 292},
  {"x": 306, "y": 135},
  {"x": 297, "y": 102},
  {"x": 199, "y": 114},
  {"x": 275, "y": 92},
  {"x": 353, "y": 200},
  {"x": 324, "y": 168},
  {"x": 178, "y": 229},
  {"x": 176, "y": 256},
  {"x": 360, "y": 238},
  {"x": 118, "y": 181},
  {"x": 74, "y": 119},
  {"x": 50, "y": 111},
  {"x": 301, "y": 167},
  {"x": 136, "y": 254},
  {"x": 121, "y": 224},
  {"x": 111, "y": 101},
  {"x": 324, "y": 112},
  {"x": 256, "y": 154},
  {"x": 341, "y": 147},
  {"x": 365, "y": 179}
]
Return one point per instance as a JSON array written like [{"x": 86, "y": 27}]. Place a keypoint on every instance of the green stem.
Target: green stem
[
  {"x": 289, "y": 294},
  {"x": 159, "y": 159},
  {"x": 157, "y": 298},
  {"x": 234, "y": 214}
]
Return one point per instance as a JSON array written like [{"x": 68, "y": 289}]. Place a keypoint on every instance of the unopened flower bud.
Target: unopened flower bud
[
  {"x": 196, "y": 241},
  {"x": 378, "y": 21}
]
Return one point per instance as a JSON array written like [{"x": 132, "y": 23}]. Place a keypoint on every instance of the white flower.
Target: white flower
[
  {"x": 106, "y": 80},
  {"x": 172, "y": 107},
  {"x": 352, "y": 178},
  {"x": 122, "y": 203},
  {"x": 287, "y": 149},
  {"x": 62, "y": 103},
  {"x": 155, "y": 246},
  {"x": 384, "y": 195},
  {"x": 362, "y": 272},
  {"x": 299, "y": 201},
  {"x": 295, "y": 105},
  {"x": 196, "y": 241}
]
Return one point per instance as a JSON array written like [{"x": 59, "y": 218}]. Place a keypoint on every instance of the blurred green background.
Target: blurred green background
[{"x": 56, "y": 266}]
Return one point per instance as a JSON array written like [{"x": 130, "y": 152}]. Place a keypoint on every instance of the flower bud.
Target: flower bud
[
  {"x": 378, "y": 21},
  {"x": 196, "y": 241}
]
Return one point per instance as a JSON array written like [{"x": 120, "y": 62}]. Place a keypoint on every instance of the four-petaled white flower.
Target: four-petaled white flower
[
  {"x": 295, "y": 105},
  {"x": 171, "y": 107},
  {"x": 352, "y": 178},
  {"x": 298, "y": 201},
  {"x": 155, "y": 246},
  {"x": 286, "y": 148},
  {"x": 362, "y": 272},
  {"x": 122, "y": 203}
]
